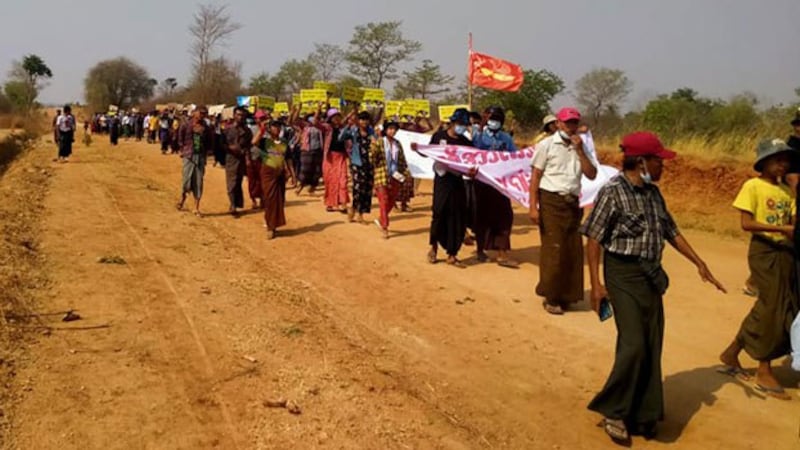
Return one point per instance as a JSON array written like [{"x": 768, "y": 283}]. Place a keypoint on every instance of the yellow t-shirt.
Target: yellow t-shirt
[
  {"x": 770, "y": 204},
  {"x": 153, "y": 123}
]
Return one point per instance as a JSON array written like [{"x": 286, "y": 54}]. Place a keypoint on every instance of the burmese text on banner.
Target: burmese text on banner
[{"x": 508, "y": 172}]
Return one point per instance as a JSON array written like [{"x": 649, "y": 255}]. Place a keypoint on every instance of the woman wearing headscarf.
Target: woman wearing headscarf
[
  {"x": 334, "y": 166},
  {"x": 273, "y": 149},
  {"x": 359, "y": 137},
  {"x": 493, "y": 214}
]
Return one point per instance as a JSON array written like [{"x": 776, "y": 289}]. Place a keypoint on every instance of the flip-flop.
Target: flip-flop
[
  {"x": 552, "y": 309},
  {"x": 616, "y": 430},
  {"x": 750, "y": 292},
  {"x": 777, "y": 392},
  {"x": 456, "y": 263},
  {"x": 508, "y": 263},
  {"x": 734, "y": 372},
  {"x": 432, "y": 257}
]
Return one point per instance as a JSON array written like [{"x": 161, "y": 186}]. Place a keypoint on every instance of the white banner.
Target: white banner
[
  {"x": 508, "y": 172},
  {"x": 420, "y": 168}
]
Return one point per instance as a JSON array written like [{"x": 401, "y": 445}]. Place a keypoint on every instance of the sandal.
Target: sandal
[
  {"x": 198, "y": 214},
  {"x": 616, "y": 430},
  {"x": 330, "y": 209},
  {"x": 777, "y": 392},
  {"x": 508, "y": 263},
  {"x": 432, "y": 257},
  {"x": 407, "y": 209},
  {"x": 179, "y": 206},
  {"x": 454, "y": 262},
  {"x": 735, "y": 372},
  {"x": 483, "y": 257},
  {"x": 552, "y": 309}
]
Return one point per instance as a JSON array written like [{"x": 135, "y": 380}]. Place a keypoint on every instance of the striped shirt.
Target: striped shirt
[{"x": 631, "y": 220}]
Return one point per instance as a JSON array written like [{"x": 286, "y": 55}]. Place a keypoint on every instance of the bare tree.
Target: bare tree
[
  {"x": 601, "y": 91},
  {"x": 327, "y": 60},
  {"x": 212, "y": 28}
]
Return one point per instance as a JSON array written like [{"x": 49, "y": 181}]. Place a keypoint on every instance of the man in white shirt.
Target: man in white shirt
[
  {"x": 65, "y": 128},
  {"x": 558, "y": 164}
]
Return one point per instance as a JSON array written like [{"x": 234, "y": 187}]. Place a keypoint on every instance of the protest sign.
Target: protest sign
[{"x": 446, "y": 111}]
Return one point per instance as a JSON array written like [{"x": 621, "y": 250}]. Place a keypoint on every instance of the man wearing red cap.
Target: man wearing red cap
[
  {"x": 628, "y": 226},
  {"x": 558, "y": 164}
]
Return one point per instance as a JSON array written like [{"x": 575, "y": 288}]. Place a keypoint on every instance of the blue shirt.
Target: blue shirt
[{"x": 489, "y": 140}]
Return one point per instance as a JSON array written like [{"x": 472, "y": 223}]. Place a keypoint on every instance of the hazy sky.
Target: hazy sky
[{"x": 718, "y": 47}]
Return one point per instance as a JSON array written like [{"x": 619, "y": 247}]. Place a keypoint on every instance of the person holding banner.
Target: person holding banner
[
  {"x": 334, "y": 166},
  {"x": 494, "y": 216},
  {"x": 197, "y": 140},
  {"x": 449, "y": 221},
  {"x": 273, "y": 149},
  {"x": 557, "y": 167},
  {"x": 238, "y": 140},
  {"x": 391, "y": 172},
  {"x": 421, "y": 124},
  {"x": 359, "y": 140}
]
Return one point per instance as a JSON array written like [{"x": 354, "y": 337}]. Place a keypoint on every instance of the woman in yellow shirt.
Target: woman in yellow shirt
[{"x": 768, "y": 211}]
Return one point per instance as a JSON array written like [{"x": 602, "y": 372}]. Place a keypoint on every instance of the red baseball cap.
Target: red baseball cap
[
  {"x": 566, "y": 114},
  {"x": 643, "y": 143}
]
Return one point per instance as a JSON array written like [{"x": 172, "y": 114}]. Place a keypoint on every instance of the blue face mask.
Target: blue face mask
[
  {"x": 460, "y": 129},
  {"x": 494, "y": 125}
]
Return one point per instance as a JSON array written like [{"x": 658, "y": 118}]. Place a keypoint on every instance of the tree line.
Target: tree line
[{"x": 373, "y": 56}]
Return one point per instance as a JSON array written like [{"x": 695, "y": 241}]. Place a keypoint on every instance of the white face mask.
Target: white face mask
[
  {"x": 494, "y": 125},
  {"x": 646, "y": 177}
]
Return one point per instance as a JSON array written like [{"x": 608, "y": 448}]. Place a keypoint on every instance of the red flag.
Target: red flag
[{"x": 494, "y": 73}]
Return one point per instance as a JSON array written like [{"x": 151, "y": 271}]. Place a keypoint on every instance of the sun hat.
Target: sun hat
[
  {"x": 567, "y": 114},
  {"x": 332, "y": 112},
  {"x": 771, "y": 147},
  {"x": 548, "y": 119},
  {"x": 644, "y": 143}
]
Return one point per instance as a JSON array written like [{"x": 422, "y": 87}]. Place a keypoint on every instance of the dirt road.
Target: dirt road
[{"x": 207, "y": 320}]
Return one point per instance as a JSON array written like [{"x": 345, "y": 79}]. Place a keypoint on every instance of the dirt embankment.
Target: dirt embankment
[
  {"x": 699, "y": 193},
  {"x": 23, "y": 183}
]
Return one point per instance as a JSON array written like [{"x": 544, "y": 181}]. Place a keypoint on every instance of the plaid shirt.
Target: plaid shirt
[
  {"x": 379, "y": 158},
  {"x": 630, "y": 220}
]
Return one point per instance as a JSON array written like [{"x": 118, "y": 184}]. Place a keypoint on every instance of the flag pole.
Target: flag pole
[{"x": 469, "y": 72}]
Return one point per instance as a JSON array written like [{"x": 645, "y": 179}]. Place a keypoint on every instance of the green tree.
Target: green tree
[
  {"x": 531, "y": 103},
  {"x": 265, "y": 84},
  {"x": 425, "y": 81},
  {"x": 297, "y": 75},
  {"x": 5, "y": 103},
  {"x": 327, "y": 60},
  {"x": 27, "y": 78},
  {"x": 682, "y": 112},
  {"x": 601, "y": 91},
  {"x": 227, "y": 83},
  {"x": 118, "y": 82},
  {"x": 375, "y": 51}
]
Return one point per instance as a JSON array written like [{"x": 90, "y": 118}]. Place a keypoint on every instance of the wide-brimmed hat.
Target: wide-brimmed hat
[
  {"x": 771, "y": 147},
  {"x": 548, "y": 119}
]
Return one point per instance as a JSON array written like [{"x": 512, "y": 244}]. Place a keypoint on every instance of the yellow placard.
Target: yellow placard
[
  {"x": 370, "y": 95},
  {"x": 161, "y": 107},
  {"x": 415, "y": 107},
  {"x": 352, "y": 94},
  {"x": 330, "y": 88},
  {"x": 281, "y": 108},
  {"x": 393, "y": 108},
  {"x": 296, "y": 99},
  {"x": 265, "y": 102},
  {"x": 313, "y": 95},
  {"x": 446, "y": 111}
]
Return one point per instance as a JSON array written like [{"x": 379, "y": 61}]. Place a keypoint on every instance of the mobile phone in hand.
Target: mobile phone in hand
[{"x": 605, "y": 311}]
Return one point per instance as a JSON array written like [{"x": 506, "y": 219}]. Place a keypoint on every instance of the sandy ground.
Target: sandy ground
[{"x": 207, "y": 320}]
